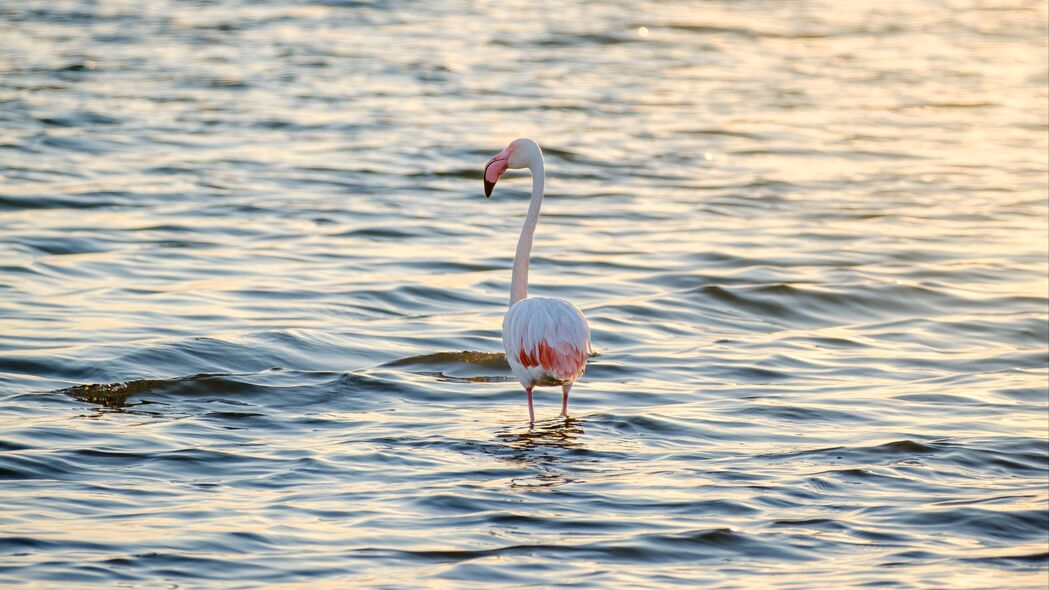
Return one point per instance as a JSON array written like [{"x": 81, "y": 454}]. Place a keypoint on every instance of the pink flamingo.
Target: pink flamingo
[{"x": 547, "y": 340}]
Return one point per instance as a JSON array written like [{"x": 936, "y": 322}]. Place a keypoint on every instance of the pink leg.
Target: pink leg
[
  {"x": 531, "y": 412},
  {"x": 564, "y": 398}
]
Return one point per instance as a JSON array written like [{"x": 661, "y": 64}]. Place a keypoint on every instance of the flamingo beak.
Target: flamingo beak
[{"x": 493, "y": 170}]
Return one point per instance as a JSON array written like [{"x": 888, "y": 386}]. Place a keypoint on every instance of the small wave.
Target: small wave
[
  {"x": 495, "y": 360},
  {"x": 794, "y": 304},
  {"x": 114, "y": 395},
  {"x": 466, "y": 366}
]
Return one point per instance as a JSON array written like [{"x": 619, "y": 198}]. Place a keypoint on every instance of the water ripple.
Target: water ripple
[{"x": 251, "y": 294}]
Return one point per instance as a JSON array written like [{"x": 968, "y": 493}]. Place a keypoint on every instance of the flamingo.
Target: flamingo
[{"x": 547, "y": 340}]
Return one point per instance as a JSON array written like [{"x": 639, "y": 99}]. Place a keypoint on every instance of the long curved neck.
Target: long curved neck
[{"x": 519, "y": 281}]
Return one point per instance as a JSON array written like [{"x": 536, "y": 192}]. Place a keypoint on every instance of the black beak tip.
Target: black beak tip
[{"x": 488, "y": 186}]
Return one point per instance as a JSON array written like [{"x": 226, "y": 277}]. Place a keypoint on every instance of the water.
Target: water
[{"x": 243, "y": 248}]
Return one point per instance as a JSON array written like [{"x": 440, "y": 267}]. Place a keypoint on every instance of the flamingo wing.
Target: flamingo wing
[{"x": 547, "y": 341}]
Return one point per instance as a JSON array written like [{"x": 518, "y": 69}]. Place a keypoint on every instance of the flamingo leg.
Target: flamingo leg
[
  {"x": 531, "y": 412},
  {"x": 564, "y": 398}
]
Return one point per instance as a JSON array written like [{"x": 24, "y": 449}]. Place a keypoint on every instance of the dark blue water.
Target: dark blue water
[{"x": 251, "y": 293}]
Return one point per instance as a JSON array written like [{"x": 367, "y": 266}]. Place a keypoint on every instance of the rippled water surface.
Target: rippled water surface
[{"x": 251, "y": 293}]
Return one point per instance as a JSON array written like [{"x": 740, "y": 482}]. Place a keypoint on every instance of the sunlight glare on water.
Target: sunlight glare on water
[{"x": 251, "y": 294}]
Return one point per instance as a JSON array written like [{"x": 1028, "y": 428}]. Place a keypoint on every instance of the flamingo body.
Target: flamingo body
[{"x": 547, "y": 340}]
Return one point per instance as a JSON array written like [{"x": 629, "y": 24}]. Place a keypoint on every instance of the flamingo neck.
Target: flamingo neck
[{"x": 519, "y": 280}]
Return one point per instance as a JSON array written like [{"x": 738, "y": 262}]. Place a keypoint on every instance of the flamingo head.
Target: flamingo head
[{"x": 521, "y": 153}]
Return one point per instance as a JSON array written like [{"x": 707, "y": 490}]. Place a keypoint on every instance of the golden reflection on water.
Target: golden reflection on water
[{"x": 557, "y": 433}]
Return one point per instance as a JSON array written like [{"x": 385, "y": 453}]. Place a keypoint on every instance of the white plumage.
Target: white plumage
[{"x": 546, "y": 340}]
